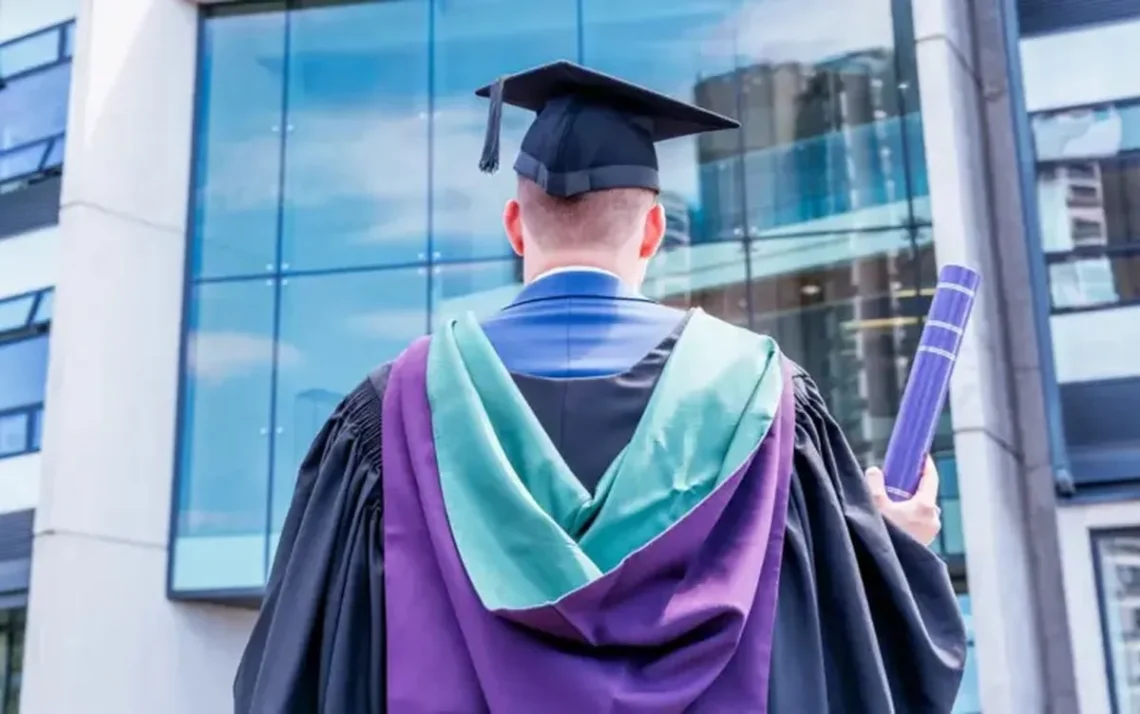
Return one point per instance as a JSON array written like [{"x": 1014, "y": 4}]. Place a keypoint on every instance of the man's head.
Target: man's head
[
  {"x": 590, "y": 130},
  {"x": 618, "y": 230}
]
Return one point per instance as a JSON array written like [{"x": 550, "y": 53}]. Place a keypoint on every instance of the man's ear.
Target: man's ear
[
  {"x": 654, "y": 232},
  {"x": 512, "y": 224}
]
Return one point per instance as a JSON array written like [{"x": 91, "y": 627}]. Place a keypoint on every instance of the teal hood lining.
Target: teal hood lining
[{"x": 527, "y": 531}]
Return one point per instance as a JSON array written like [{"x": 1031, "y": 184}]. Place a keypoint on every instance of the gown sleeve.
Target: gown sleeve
[
  {"x": 867, "y": 619},
  {"x": 317, "y": 646}
]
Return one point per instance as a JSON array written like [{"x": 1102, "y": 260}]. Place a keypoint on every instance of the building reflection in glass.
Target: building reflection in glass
[
  {"x": 821, "y": 147},
  {"x": 339, "y": 213},
  {"x": 1088, "y": 197},
  {"x": 852, "y": 323},
  {"x": 1118, "y": 566}
]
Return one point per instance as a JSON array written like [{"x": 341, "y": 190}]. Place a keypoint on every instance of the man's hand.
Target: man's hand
[{"x": 919, "y": 516}]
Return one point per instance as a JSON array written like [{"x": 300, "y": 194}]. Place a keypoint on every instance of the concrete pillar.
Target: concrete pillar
[
  {"x": 102, "y": 636},
  {"x": 1006, "y": 479}
]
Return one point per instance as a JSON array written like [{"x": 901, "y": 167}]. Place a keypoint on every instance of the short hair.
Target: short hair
[{"x": 589, "y": 220}]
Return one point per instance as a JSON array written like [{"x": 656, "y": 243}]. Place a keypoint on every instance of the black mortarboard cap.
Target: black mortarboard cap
[{"x": 592, "y": 131}]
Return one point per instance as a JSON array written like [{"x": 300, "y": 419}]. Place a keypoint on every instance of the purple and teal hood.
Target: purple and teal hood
[{"x": 509, "y": 588}]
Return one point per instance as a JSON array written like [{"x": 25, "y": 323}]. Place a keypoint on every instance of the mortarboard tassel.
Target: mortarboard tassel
[{"x": 489, "y": 163}]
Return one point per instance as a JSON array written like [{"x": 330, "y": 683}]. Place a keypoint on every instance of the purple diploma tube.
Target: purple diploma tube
[{"x": 929, "y": 380}]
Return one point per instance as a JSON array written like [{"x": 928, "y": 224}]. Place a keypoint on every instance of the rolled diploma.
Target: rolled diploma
[{"x": 929, "y": 381}]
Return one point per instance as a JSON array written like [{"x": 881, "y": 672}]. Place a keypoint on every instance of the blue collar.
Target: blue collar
[{"x": 577, "y": 283}]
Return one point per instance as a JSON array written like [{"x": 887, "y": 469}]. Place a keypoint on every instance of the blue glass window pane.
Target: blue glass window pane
[
  {"x": 822, "y": 141},
  {"x": 1117, "y": 556},
  {"x": 953, "y": 539},
  {"x": 334, "y": 330},
  {"x": 841, "y": 305},
  {"x": 69, "y": 39},
  {"x": 711, "y": 276},
  {"x": 46, "y": 307},
  {"x": 474, "y": 43},
  {"x": 948, "y": 476},
  {"x": 224, "y": 474},
  {"x": 13, "y": 434},
  {"x": 37, "y": 421},
  {"x": 237, "y": 191},
  {"x": 479, "y": 288},
  {"x": 21, "y": 162},
  {"x": 969, "y": 699},
  {"x": 917, "y": 177},
  {"x": 14, "y": 313},
  {"x": 55, "y": 153},
  {"x": 34, "y": 106},
  {"x": 23, "y": 372},
  {"x": 1087, "y": 132},
  {"x": 679, "y": 48},
  {"x": 28, "y": 52},
  {"x": 356, "y": 150}
]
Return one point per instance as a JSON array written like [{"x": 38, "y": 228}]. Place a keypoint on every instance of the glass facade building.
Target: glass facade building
[
  {"x": 266, "y": 199},
  {"x": 24, "y": 322},
  {"x": 1085, "y": 121},
  {"x": 338, "y": 213},
  {"x": 37, "y": 44},
  {"x": 1087, "y": 148}
]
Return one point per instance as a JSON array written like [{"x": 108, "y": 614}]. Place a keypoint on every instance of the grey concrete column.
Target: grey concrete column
[
  {"x": 102, "y": 636},
  {"x": 1006, "y": 480}
]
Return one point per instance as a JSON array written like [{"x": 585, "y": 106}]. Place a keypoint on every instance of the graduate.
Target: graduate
[{"x": 592, "y": 503}]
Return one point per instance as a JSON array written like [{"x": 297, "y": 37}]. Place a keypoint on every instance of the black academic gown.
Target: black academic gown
[{"x": 867, "y": 621}]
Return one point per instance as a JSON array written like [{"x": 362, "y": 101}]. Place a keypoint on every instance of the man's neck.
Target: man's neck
[
  {"x": 574, "y": 268},
  {"x": 542, "y": 266}
]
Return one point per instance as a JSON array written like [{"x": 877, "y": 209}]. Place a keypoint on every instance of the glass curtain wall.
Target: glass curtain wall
[
  {"x": 1086, "y": 127},
  {"x": 35, "y": 74},
  {"x": 338, "y": 213},
  {"x": 1085, "y": 117},
  {"x": 24, "y": 323},
  {"x": 12, "y": 627},
  {"x": 1117, "y": 562}
]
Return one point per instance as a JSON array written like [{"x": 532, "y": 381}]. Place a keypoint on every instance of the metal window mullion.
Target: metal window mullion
[
  {"x": 429, "y": 240},
  {"x": 742, "y": 177},
  {"x": 6, "y": 635},
  {"x": 277, "y": 283}
]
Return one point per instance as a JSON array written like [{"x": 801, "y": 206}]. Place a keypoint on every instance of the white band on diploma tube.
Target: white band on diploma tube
[{"x": 937, "y": 351}]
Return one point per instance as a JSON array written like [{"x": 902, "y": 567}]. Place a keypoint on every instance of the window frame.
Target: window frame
[
  {"x": 914, "y": 223},
  {"x": 64, "y": 51},
  {"x": 31, "y": 329},
  {"x": 1096, "y": 536}
]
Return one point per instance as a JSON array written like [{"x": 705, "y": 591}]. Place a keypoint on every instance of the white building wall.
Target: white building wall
[
  {"x": 1005, "y": 479},
  {"x": 102, "y": 637}
]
